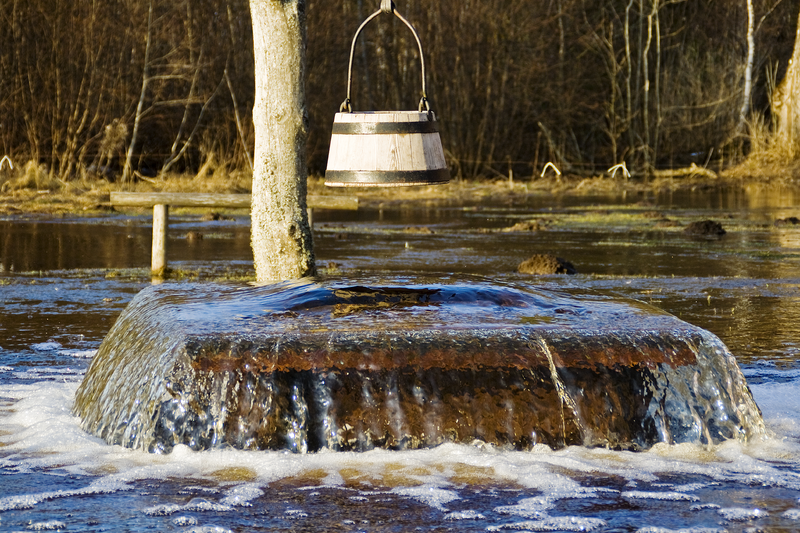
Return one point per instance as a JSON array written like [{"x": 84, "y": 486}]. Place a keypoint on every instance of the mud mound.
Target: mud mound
[
  {"x": 705, "y": 228},
  {"x": 544, "y": 264}
]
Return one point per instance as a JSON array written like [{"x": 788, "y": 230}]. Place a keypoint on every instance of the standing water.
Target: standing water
[{"x": 64, "y": 282}]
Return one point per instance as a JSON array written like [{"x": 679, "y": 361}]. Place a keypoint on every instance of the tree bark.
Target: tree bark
[
  {"x": 280, "y": 234},
  {"x": 786, "y": 103},
  {"x": 748, "y": 68}
]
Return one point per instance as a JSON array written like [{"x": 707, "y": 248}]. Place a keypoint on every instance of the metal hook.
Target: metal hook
[{"x": 387, "y": 6}]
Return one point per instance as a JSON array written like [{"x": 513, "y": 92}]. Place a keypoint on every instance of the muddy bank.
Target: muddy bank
[{"x": 92, "y": 198}]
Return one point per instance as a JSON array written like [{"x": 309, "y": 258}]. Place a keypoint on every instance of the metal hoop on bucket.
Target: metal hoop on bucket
[{"x": 387, "y": 6}]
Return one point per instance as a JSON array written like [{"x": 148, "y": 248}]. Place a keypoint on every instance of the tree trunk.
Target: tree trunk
[
  {"x": 280, "y": 235},
  {"x": 748, "y": 69},
  {"x": 786, "y": 103}
]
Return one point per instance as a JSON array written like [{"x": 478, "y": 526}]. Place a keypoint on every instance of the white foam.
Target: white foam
[
  {"x": 429, "y": 495},
  {"x": 39, "y": 433},
  {"x": 50, "y": 525},
  {"x": 554, "y": 523},
  {"x": 528, "y": 507},
  {"x": 164, "y": 509},
  {"x": 195, "y": 505},
  {"x": 702, "y": 506},
  {"x": 464, "y": 515},
  {"x": 792, "y": 514},
  {"x": 687, "y": 530},
  {"x": 28, "y": 501},
  {"x": 242, "y": 495},
  {"x": 201, "y": 504},
  {"x": 184, "y": 521},
  {"x": 45, "y": 346},
  {"x": 78, "y": 354},
  {"x": 741, "y": 514}
]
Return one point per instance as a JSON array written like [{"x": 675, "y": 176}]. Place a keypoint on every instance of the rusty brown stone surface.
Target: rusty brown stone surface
[
  {"x": 328, "y": 365},
  {"x": 454, "y": 352}
]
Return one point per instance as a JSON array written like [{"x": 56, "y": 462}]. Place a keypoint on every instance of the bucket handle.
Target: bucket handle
[{"x": 387, "y": 6}]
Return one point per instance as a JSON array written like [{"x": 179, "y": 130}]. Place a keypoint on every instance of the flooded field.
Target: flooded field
[{"x": 64, "y": 281}]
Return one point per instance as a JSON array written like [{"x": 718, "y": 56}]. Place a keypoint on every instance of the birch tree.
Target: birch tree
[
  {"x": 748, "y": 69},
  {"x": 280, "y": 234}
]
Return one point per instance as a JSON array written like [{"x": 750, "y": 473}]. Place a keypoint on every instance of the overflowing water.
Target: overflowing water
[
  {"x": 325, "y": 364},
  {"x": 60, "y": 294}
]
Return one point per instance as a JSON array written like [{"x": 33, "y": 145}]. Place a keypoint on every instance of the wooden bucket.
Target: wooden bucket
[{"x": 385, "y": 149}]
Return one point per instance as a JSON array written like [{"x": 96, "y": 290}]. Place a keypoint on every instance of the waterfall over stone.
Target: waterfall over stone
[{"x": 354, "y": 364}]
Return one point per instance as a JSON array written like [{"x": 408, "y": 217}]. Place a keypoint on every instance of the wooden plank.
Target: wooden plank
[
  {"x": 347, "y": 203},
  {"x": 182, "y": 199},
  {"x": 190, "y": 199}
]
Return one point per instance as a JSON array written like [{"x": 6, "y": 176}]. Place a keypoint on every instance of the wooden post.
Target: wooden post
[
  {"x": 160, "y": 222},
  {"x": 160, "y": 202}
]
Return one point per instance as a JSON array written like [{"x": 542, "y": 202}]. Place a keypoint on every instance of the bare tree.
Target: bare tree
[
  {"x": 281, "y": 236},
  {"x": 748, "y": 68},
  {"x": 127, "y": 170}
]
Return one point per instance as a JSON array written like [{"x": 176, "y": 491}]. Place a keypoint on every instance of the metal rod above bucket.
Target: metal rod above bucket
[{"x": 385, "y": 148}]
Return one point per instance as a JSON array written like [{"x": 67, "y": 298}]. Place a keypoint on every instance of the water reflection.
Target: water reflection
[{"x": 113, "y": 242}]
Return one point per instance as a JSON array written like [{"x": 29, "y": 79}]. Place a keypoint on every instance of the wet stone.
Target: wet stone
[{"x": 354, "y": 364}]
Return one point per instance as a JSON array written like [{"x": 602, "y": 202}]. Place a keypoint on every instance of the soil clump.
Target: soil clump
[
  {"x": 705, "y": 228},
  {"x": 545, "y": 264}
]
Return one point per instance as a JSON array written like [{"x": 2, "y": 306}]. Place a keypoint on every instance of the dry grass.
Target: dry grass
[
  {"x": 30, "y": 176},
  {"x": 768, "y": 163},
  {"x": 30, "y": 190},
  {"x": 766, "y": 169}
]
